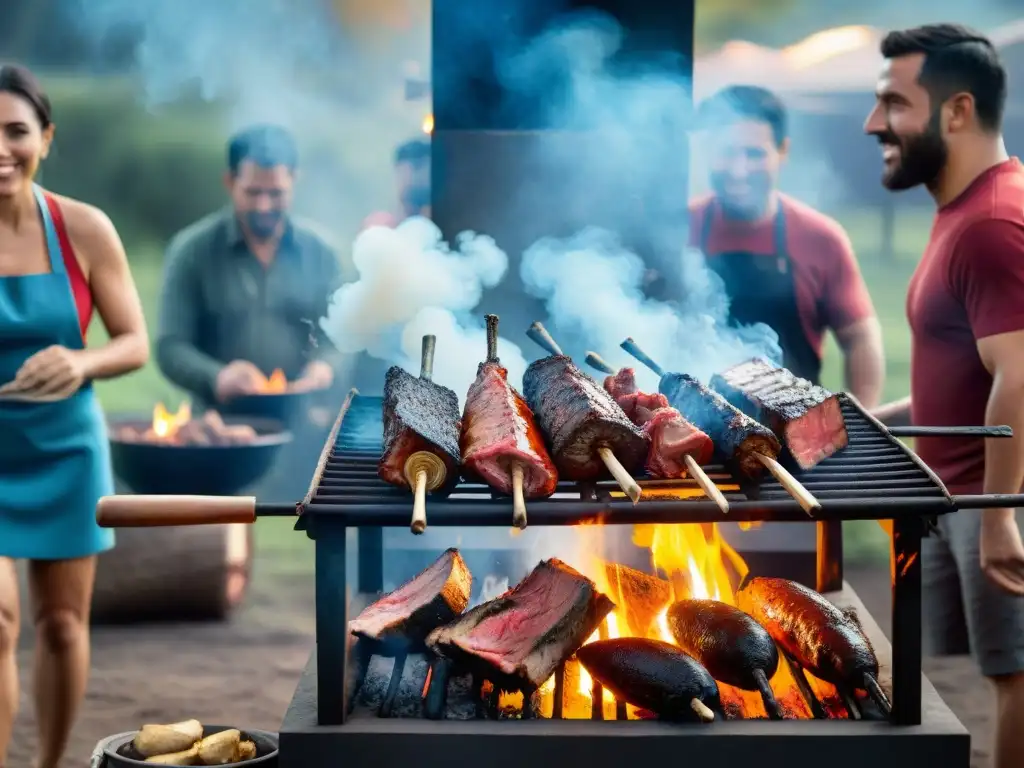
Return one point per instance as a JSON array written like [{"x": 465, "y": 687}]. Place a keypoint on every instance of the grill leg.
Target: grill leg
[
  {"x": 830, "y": 556},
  {"x": 371, "y": 560},
  {"x": 331, "y": 621},
  {"x": 906, "y": 621}
]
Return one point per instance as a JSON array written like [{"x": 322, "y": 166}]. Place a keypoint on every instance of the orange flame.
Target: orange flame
[
  {"x": 165, "y": 425},
  {"x": 276, "y": 384},
  {"x": 427, "y": 126}
]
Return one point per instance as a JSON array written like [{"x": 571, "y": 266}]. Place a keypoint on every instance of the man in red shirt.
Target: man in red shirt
[
  {"x": 938, "y": 117},
  {"x": 783, "y": 263}
]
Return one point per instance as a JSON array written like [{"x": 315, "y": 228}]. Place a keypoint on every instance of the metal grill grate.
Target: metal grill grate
[{"x": 874, "y": 470}]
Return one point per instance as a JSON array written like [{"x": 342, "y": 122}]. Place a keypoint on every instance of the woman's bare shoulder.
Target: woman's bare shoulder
[{"x": 92, "y": 233}]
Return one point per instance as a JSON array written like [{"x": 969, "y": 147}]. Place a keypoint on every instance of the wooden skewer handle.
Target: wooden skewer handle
[
  {"x": 793, "y": 486},
  {"x": 543, "y": 339},
  {"x": 696, "y": 471},
  {"x": 424, "y": 471},
  {"x": 598, "y": 363},
  {"x": 518, "y": 500},
  {"x": 634, "y": 349},
  {"x": 427, "y": 357},
  {"x": 625, "y": 480},
  {"x": 143, "y": 511},
  {"x": 419, "y": 505},
  {"x": 702, "y": 710}
]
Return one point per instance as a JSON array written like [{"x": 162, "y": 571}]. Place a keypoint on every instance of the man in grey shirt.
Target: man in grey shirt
[{"x": 245, "y": 287}]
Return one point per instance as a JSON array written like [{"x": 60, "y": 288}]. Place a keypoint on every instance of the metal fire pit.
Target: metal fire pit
[{"x": 875, "y": 477}]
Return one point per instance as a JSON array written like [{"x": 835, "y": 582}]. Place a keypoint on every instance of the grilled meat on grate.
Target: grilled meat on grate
[
  {"x": 579, "y": 417},
  {"x": 433, "y": 597},
  {"x": 499, "y": 434},
  {"x": 734, "y": 434},
  {"x": 807, "y": 418},
  {"x": 419, "y": 415},
  {"x": 734, "y": 648},
  {"x": 518, "y": 640},
  {"x": 826, "y": 641},
  {"x": 672, "y": 437},
  {"x": 653, "y": 675}
]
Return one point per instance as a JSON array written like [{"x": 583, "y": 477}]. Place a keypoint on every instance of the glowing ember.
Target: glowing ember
[
  {"x": 427, "y": 126},
  {"x": 277, "y": 383}
]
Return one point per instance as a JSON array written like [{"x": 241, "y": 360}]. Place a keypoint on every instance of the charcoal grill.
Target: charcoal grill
[{"x": 874, "y": 477}]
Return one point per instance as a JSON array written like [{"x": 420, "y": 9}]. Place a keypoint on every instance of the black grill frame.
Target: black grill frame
[{"x": 853, "y": 485}]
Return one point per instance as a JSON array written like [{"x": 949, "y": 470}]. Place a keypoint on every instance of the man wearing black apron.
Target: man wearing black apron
[
  {"x": 787, "y": 266},
  {"x": 783, "y": 263}
]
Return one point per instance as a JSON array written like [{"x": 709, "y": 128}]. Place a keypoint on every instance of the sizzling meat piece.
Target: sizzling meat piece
[
  {"x": 419, "y": 415},
  {"x": 734, "y": 648},
  {"x": 429, "y": 599},
  {"x": 518, "y": 640},
  {"x": 736, "y": 437},
  {"x": 825, "y": 640},
  {"x": 578, "y": 417},
  {"x": 672, "y": 437},
  {"x": 499, "y": 431},
  {"x": 652, "y": 675},
  {"x": 807, "y": 418}
]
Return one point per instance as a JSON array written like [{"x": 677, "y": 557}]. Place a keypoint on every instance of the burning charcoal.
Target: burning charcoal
[
  {"x": 588, "y": 433},
  {"x": 421, "y": 433},
  {"x": 807, "y": 418},
  {"x": 734, "y": 648},
  {"x": 819, "y": 636},
  {"x": 400, "y": 620},
  {"x": 642, "y": 596},
  {"x": 501, "y": 443},
  {"x": 518, "y": 640},
  {"x": 653, "y": 675}
]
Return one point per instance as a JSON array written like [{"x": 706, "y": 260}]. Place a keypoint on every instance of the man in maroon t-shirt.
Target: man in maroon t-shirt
[
  {"x": 782, "y": 262},
  {"x": 938, "y": 117}
]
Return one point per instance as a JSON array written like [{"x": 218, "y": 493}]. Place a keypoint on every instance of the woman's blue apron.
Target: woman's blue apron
[{"x": 54, "y": 457}]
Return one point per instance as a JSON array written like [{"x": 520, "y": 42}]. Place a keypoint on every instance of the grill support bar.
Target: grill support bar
[
  {"x": 330, "y": 537},
  {"x": 905, "y": 557}
]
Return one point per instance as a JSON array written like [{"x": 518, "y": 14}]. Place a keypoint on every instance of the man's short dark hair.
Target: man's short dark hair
[
  {"x": 265, "y": 145},
  {"x": 745, "y": 102},
  {"x": 414, "y": 152},
  {"x": 956, "y": 59}
]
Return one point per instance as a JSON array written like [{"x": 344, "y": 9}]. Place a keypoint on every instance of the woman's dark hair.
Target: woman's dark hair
[
  {"x": 956, "y": 59},
  {"x": 18, "y": 80}
]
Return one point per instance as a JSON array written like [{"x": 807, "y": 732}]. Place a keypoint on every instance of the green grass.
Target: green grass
[{"x": 887, "y": 282}]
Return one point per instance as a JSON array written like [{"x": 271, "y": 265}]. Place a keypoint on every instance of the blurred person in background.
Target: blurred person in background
[
  {"x": 938, "y": 117},
  {"x": 245, "y": 287},
  {"x": 783, "y": 263},
  {"x": 60, "y": 260},
  {"x": 243, "y": 293},
  {"x": 412, "y": 180}
]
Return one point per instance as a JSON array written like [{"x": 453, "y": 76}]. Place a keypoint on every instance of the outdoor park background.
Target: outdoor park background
[{"x": 153, "y": 161}]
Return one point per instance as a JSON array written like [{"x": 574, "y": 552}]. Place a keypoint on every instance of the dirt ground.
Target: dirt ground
[{"x": 244, "y": 671}]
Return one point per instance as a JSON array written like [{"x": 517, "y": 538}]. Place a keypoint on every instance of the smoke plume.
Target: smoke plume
[{"x": 412, "y": 283}]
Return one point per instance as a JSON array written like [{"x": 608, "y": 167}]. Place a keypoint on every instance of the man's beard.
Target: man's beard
[
  {"x": 749, "y": 207},
  {"x": 921, "y": 157},
  {"x": 263, "y": 226}
]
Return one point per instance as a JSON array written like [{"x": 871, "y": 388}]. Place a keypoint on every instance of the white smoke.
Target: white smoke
[{"x": 411, "y": 283}]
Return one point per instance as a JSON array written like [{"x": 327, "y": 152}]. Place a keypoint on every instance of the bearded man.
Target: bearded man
[{"x": 938, "y": 117}]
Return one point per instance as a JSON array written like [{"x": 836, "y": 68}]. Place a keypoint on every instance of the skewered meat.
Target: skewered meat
[
  {"x": 519, "y": 639},
  {"x": 734, "y": 648},
  {"x": 419, "y": 415},
  {"x": 807, "y": 418},
  {"x": 734, "y": 435},
  {"x": 499, "y": 432},
  {"x": 653, "y": 675},
  {"x": 579, "y": 417},
  {"x": 823, "y": 639},
  {"x": 429, "y": 599},
  {"x": 672, "y": 437}
]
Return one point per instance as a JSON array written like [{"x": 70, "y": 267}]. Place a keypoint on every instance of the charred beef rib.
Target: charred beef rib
[
  {"x": 499, "y": 432},
  {"x": 735, "y": 435},
  {"x": 518, "y": 640},
  {"x": 579, "y": 417},
  {"x": 429, "y": 599},
  {"x": 672, "y": 438},
  {"x": 419, "y": 415},
  {"x": 807, "y": 418}
]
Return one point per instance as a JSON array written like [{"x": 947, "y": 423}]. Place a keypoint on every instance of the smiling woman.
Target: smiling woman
[{"x": 59, "y": 259}]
